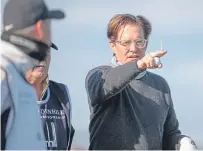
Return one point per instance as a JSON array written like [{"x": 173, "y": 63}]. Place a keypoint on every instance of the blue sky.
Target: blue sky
[{"x": 82, "y": 41}]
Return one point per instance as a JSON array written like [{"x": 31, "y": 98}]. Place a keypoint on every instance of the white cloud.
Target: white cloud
[
  {"x": 189, "y": 73},
  {"x": 174, "y": 16},
  {"x": 183, "y": 16},
  {"x": 184, "y": 73}
]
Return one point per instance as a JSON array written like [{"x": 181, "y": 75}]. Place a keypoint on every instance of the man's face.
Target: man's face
[
  {"x": 46, "y": 28},
  {"x": 39, "y": 73},
  {"x": 130, "y": 44}
]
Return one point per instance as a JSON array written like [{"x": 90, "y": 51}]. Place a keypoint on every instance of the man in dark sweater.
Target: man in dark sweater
[{"x": 132, "y": 108}]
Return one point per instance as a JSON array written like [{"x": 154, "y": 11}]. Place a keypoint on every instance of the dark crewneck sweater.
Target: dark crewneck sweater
[{"x": 130, "y": 114}]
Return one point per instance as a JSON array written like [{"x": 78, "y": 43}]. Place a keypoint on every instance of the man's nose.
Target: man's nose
[
  {"x": 42, "y": 63},
  {"x": 133, "y": 47}
]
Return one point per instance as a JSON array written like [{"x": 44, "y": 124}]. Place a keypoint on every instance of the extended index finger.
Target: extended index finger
[{"x": 159, "y": 53}]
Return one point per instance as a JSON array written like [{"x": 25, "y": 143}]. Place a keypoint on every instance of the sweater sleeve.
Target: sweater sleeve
[{"x": 104, "y": 82}]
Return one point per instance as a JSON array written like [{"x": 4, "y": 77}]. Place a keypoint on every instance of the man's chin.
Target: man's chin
[
  {"x": 35, "y": 79},
  {"x": 32, "y": 82}
]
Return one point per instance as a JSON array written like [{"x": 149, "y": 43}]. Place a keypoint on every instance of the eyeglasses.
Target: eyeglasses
[{"x": 140, "y": 43}]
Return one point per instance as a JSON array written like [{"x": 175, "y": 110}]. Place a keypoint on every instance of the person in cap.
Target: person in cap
[
  {"x": 131, "y": 108},
  {"x": 26, "y": 49}
]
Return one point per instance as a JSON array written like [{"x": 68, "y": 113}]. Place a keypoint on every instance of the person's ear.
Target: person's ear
[
  {"x": 146, "y": 45},
  {"x": 39, "y": 29},
  {"x": 112, "y": 46}
]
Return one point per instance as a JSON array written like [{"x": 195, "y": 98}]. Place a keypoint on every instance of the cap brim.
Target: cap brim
[
  {"x": 54, "y": 46},
  {"x": 56, "y": 14}
]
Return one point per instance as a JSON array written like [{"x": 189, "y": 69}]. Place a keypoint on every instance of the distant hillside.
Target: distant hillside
[{"x": 81, "y": 140}]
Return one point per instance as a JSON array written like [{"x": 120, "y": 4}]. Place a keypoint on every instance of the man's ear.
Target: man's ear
[
  {"x": 112, "y": 46},
  {"x": 39, "y": 29},
  {"x": 146, "y": 45}
]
